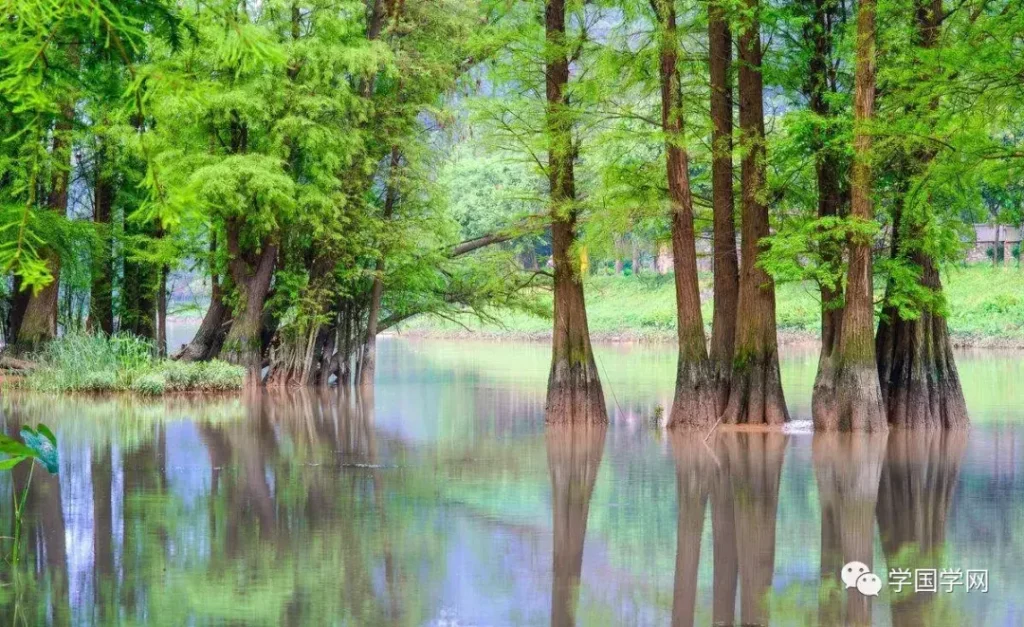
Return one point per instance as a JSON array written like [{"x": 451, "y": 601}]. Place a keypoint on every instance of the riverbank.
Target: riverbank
[{"x": 986, "y": 311}]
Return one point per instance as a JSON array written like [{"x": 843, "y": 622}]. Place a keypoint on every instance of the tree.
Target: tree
[
  {"x": 847, "y": 396},
  {"x": 755, "y": 394},
  {"x": 574, "y": 387}
]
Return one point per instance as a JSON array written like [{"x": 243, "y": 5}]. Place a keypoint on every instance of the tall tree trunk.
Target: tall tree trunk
[
  {"x": 694, "y": 473},
  {"x": 368, "y": 368},
  {"x": 694, "y": 404},
  {"x": 755, "y": 394},
  {"x": 101, "y": 296},
  {"x": 252, "y": 275},
  {"x": 828, "y": 163},
  {"x": 847, "y": 467},
  {"x": 917, "y": 371},
  {"x": 574, "y": 456},
  {"x": 574, "y": 388},
  {"x": 161, "y": 312},
  {"x": 726, "y": 263},
  {"x": 39, "y": 321},
  {"x": 847, "y": 396}
]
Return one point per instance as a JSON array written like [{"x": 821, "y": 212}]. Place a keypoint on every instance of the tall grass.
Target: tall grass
[{"x": 84, "y": 362}]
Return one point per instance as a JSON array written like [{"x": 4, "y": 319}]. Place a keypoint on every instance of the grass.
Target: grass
[
  {"x": 986, "y": 305},
  {"x": 81, "y": 362}
]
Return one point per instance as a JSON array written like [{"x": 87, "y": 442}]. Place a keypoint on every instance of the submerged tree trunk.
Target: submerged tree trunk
[
  {"x": 919, "y": 381},
  {"x": 755, "y": 394},
  {"x": 915, "y": 494},
  {"x": 694, "y": 403},
  {"x": 252, "y": 274},
  {"x": 847, "y": 396},
  {"x": 847, "y": 467},
  {"x": 726, "y": 263},
  {"x": 574, "y": 388},
  {"x": 101, "y": 296},
  {"x": 723, "y": 529},
  {"x": 574, "y": 456},
  {"x": 694, "y": 474}
]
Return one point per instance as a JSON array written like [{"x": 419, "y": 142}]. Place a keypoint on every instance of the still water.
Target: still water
[{"x": 442, "y": 500}]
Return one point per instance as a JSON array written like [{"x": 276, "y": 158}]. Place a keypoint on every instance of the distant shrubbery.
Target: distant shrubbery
[{"x": 80, "y": 362}]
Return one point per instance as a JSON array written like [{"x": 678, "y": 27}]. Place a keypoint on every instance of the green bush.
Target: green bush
[{"x": 151, "y": 383}]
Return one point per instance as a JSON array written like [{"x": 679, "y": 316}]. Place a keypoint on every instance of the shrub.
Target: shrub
[{"x": 151, "y": 383}]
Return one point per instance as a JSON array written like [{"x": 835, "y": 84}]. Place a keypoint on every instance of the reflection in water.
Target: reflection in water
[
  {"x": 574, "y": 456},
  {"x": 443, "y": 500},
  {"x": 694, "y": 472},
  {"x": 847, "y": 467},
  {"x": 914, "y": 498}
]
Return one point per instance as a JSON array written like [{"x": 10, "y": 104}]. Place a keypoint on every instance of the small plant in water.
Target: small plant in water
[{"x": 38, "y": 445}]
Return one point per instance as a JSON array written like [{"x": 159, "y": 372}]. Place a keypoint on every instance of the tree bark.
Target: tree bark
[
  {"x": 694, "y": 403},
  {"x": 755, "y": 394},
  {"x": 574, "y": 388},
  {"x": 919, "y": 382},
  {"x": 574, "y": 456},
  {"x": 210, "y": 334},
  {"x": 101, "y": 296},
  {"x": 726, "y": 263},
  {"x": 847, "y": 396},
  {"x": 252, "y": 275}
]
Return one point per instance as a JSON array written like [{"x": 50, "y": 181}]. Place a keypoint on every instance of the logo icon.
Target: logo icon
[{"x": 858, "y": 575}]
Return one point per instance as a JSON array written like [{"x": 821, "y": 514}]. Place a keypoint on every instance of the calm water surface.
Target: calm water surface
[{"x": 442, "y": 500}]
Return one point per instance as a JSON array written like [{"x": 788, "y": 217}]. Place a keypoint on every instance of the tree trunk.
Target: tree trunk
[
  {"x": 726, "y": 559},
  {"x": 210, "y": 334},
  {"x": 919, "y": 382},
  {"x": 694, "y": 473},
  {"x": 828, "y": 162},
  {"x": 755, "y": 394},
  {"x": 574, "y": 456},
  {"x": 847, "y": 467},
  {"x": 915, "y": 494},
  {"x": 726, "y": 263},
  {"x": 847, "y": 396},
  {"x": 139, "y": 291},
  {"x": 39, "y": 321},
  {"x": 101, "y": 297},
  {"x": 368, "y": 368},
  {"x": 161, "y": 313},
  {"x": 252, "y": 276},
  {"x": 694, "y": 403},
  {"x": 574, "y": 388}
]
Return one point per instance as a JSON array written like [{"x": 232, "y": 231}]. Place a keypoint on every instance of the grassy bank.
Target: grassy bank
[
  {"x": 986, "y": 303},
  {"x": 123, "y": 363}
]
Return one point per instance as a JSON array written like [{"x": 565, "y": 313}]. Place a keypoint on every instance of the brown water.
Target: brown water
[{"x": 443, "y": 500}]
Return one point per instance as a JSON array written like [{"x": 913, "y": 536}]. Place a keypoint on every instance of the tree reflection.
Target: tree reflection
[
  {"x": 847, "y": 467},
  {"x": 750, "y": 467},
  {"x": 574, "y": 456},
  {"x": 694, "y": 476},
  {"x": 914, "y": 498}
]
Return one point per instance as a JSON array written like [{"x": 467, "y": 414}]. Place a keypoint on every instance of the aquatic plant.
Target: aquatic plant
[{"x": 37, "y": 445}]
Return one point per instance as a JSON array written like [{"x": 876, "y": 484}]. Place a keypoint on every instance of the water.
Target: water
[{"x": 443, "y": 500}]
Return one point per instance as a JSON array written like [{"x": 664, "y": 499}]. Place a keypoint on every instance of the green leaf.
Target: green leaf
[
  {"x": 43, "y": 429},
  {"x": 45, "y": 451},
  {"x": 11, "y": 462},
  {"x": 13, "y": 447}
]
